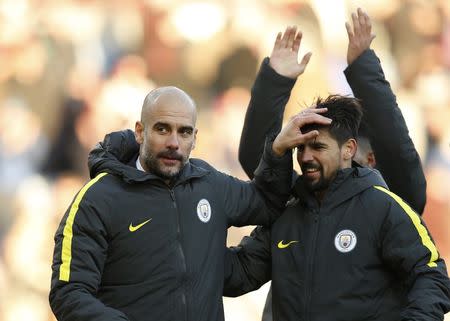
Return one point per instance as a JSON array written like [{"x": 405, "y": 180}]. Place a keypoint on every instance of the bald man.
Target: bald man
[{"x": 145, "y": 238}]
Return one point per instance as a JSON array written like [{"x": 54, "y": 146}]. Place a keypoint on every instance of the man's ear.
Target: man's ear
[
  {"x": 195, "y": 138},
  {"x": 349, "y": 149},
  {"x": 139, "y": 132},
  {"x": 371, "y": 161}
]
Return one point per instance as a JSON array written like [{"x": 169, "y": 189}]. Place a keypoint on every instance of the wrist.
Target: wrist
[
  {"x": 282, "y": 71},
  {"x": 277, "y": 150}
]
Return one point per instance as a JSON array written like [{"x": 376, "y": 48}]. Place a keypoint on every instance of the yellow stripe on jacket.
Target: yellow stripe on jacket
[
  {"x": 66, "y": 252},
  {"x": 423, "y": 233}
]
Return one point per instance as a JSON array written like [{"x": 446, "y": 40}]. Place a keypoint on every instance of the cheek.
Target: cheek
[
  {"x": 331, "y": 165},
  {"x": 187, "y": 146},
  {"x": 153, "y": 144}
]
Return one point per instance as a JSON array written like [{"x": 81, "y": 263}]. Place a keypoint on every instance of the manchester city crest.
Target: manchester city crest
[
  {"x": 204, "y": 210},
  {"x": 345, "y": 241}
]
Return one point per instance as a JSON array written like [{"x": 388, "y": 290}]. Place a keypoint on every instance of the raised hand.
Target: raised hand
[
  {"x": 360, "y": 36},
  {"x": 291, "y": 134},
  {"x": 284, "y": 57}
]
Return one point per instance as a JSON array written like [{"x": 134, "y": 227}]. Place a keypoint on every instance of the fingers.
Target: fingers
[
  {"x": 313, "y": 109},
  {"x": 349, "y": 31},
  {"x": 292, "y": 34},
  {"x": 310, "y": 117},
  {"x": 290, "y": 39},
  {"x": 368, "y": 25},
  {"x": 305, "y": 60},
  {"x": 277, "y": 44},
  {"x": 297, "y": 41},
  {"x": 367, "y": 21},
  {"x": 284, "y": 38},
  {"x": 310, "y": 135},
  {"x": 364, "y": 21},
  {"x": 361, "y": 19},
  {"x": 356, "y": 26}
]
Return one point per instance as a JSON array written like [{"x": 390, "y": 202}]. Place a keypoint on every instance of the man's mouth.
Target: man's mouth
[
  {"x": 311, "y": 172},
  {"x": 170, "y": 158}
]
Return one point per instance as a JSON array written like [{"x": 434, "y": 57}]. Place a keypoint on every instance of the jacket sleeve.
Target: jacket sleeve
[
  {"x": 396, "y": 156},
  {"x": 262, "y": 200},
  {"x": 80, "y": 252},
  {"x": 408, "y": 249},
  {"x": 248, "y": 265},
  {"x": 264, "y": 115}
]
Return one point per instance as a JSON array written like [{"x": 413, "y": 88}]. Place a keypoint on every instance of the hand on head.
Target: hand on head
[{"x": 291, "y": 134}]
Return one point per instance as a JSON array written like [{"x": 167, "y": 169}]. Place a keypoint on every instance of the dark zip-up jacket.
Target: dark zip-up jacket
[
  {"x": 397, "y": 158},
  {"x": 362, "y": 254},
  {"x": 132, "y": 248}
]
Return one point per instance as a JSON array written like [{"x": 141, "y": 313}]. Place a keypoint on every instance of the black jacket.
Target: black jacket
[
  {"x": 397, "y": 158},
  {"x": 362, "y": 254},
  {"x": 132, "y": 248}
]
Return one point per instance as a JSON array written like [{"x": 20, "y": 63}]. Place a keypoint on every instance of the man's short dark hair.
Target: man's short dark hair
[{"x": 345, "y": 113}]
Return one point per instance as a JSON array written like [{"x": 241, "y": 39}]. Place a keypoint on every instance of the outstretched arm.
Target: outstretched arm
[
  {"x": 248, "y": 266},
  {"x": 270, "y": 93},
  {"x": 396, "y": 156}
]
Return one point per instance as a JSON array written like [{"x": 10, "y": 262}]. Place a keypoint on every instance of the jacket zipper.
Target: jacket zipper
[
  {"x": 310, "y": 271},
  {"x": 180, "y": 249}
]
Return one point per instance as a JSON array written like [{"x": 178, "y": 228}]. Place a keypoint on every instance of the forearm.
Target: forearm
[
  {"x": 72, "y": 302},
  {"x": 248, "y": 266},
  {"x": 396, "y": 155},
  {"x": 273, "y": 178},
  {"x": 264, "y": 115},
  {"x": 429, "y": 296},
  {"x": 261, "y": 201}
]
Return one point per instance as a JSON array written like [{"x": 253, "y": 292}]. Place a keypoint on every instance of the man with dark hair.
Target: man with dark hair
[
  {"x": 383, "y": 139},
  {"x": 346, "y": 248},
  {"x": 384, "y": 128},
  {"x": 144, "y": 239}
]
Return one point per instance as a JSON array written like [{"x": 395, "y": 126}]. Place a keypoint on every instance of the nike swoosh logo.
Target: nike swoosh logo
[
  {"x": 281, "y": 245},
  {"x": 137, "y": 227}
]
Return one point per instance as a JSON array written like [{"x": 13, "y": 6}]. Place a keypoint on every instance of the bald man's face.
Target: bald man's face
[{"x": 167, "y": 135}]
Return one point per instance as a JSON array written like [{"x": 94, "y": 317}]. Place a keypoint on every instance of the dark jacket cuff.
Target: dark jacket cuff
[
  {"x": 364, "y": 61},
  {"x": 272, "y": 160},
  {"x": 269, "y": 74}
]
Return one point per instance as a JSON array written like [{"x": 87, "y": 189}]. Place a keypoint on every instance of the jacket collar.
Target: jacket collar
[{"x": 347, "y": 183}]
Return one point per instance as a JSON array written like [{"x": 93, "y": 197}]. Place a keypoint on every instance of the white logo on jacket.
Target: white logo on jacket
[
  {"x": 204, "y": 210},
  {"x": 345, "y": 241}
]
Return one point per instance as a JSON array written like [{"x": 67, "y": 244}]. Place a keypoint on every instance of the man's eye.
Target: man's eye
[
  {"x": 186, "y": 132},
  {"x": 161, "y": 129}
]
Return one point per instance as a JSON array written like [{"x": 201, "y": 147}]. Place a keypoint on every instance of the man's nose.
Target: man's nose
[
  {"x": 305, "y": 156},
  {"x": 172, "y": 141}
]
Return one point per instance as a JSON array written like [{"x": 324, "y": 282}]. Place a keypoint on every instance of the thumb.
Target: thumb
[{"x": 305, "y": 60}]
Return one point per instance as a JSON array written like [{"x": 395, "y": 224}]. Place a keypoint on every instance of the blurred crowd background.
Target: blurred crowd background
[{"x": 73, "y": 70}]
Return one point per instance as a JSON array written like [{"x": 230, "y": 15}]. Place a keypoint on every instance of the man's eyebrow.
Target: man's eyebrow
[
  {"x": 187, "y": 127},
  {"x": 161, "y": 124},
  {"x": 318, "y": 144}
]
